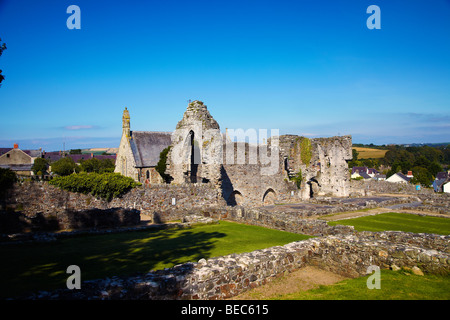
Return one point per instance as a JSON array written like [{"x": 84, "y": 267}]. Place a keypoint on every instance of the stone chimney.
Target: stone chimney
[{"x": 126, "y": 123}]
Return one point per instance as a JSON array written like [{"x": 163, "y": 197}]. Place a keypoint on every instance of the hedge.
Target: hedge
[{"x": 101, "y": 185}]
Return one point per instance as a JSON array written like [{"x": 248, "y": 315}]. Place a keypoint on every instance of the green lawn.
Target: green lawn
[
  {"x": 398, "y": 222},
  {"x": 31, "y": 267},
  {"x": 395, "y": 285}
]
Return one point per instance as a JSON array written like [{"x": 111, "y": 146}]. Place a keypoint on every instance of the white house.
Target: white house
[
  {"x": 446, "y": 187},
  {"x": 398, "y": 177}
]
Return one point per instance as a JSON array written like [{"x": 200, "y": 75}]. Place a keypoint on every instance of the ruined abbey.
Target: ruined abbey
[{"x": 274, "y": 169}]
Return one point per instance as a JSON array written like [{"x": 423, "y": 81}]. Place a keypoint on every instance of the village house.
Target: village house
[
  {"x": 442, "y": 178},
  {"x": 19, "y": 161},
  {"x": 446, "y": 187},
  {"x": 366, "y": 173},
  {"x": 400, "y": 177}
]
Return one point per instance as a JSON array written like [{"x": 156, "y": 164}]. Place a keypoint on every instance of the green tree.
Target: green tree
[
  {"x": 298, "y": 178},
  {"x": 2, "y": 48},
  {"x": 96, "y": 165},
  {"x": 40, "y": 165},
  {"x": 7, "y": 179},
  {"x": 161, "y": 165},
  {"x": 355, "y": 154},
  {"x": 421, "y": 176},
  {"x": 434, "y": 168},
  {"x": 64, "y": 166}
]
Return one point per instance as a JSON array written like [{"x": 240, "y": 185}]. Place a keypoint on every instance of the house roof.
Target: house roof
[
  {"x": 401, "y": 175},
  {"x": 147, "y": 145},
  {"x": 31, "y": 153},
  {"x": 442, "y": 175},
  {"x": 364, "y": 175},
  {"x": 56, "y": 155},
  {"x": 17, "y": 167},
  {"x": 439, "y": 183},
  {"x": 359, "y": 169},
  {"x": 4, "y": 150}
]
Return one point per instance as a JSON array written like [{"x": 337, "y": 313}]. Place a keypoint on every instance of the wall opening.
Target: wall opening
[
  {"x": 194, "y": 157},
  {"x": 235, "y": 199},
  {"x": 269, "y": 197}
]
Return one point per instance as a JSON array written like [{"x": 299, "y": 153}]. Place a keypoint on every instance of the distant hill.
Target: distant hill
[
  {"x": 441, "y": 144},
  {"x": 100, "y": 150}
]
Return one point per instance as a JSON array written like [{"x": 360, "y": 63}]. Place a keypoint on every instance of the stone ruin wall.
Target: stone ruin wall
[
  {"x": 68, "y": 209},
  {"x": 326, "y": 174},
  {"x": 338, "y": 249},
  {"x": 201, "y": 154},
  {"x": 227, "y": 276},
  {"x": 248, "y": 182}
]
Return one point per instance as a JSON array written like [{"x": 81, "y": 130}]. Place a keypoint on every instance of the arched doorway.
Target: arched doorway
[
  {"x": 269, "y": 197},
  {"x": 235, "y": 199}
]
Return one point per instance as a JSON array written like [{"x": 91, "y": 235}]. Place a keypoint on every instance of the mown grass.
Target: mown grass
[
  {"x": 394, "y": 285},
  {"x": 398, "y": 222},
  {"x": 32, "y": 267}
]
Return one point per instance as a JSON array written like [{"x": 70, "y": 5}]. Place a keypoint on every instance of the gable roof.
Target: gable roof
[
  {"x": 442, "y": 175},
  {"x": 401, "y": 175},
  {"x": 359, "y": 169},
  {"x": 147, "y": 145}
]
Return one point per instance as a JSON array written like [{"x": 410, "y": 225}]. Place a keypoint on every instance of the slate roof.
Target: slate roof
[
  {"x": 147, "y": 145},
  {"x": 364, "y": 175},
  {"x": 17, "y": 167},
  {"x": 31, "y": 153},
  {"x": 359, "y": 169},
  {"x": 401, "y": 175},
  {"x": 4, "y": 150},
  {"x": 56, "y": 155},
  {"x": 442, "y": 175}
]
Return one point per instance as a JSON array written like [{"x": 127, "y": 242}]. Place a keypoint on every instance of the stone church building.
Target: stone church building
[
  {"x": 243, "y": 173},
  {"x": 139, "y": 152}
]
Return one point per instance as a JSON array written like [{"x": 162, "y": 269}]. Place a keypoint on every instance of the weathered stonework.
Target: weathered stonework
[
  {"x": 256, "y": 174},
  {"x": 195, "y": 155},
  {"x": 326, "y": 172},
  {"x": 227, "y": 276},
  {"x": 162, "y": 203}
]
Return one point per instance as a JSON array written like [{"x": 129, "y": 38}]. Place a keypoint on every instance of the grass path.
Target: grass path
[
  {"x": 398, "y": 222},
  {"x": 310, "y": 283}
]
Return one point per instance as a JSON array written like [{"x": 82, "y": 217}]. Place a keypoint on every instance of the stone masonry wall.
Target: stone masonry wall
[
  {"x": 227, "y": 276},
  {"x": 34, "y": 199}
]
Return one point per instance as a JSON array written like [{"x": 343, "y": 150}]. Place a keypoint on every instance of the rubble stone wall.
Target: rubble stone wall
[
  {"x": 227, "y": 276},
  {"x": 161, "y": 202}
]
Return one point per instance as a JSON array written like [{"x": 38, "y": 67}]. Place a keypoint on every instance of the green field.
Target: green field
[
  {"x": 369, "y": 153},
  {"x": 32, "y": 267},
  {"x": 394, "y": 285},
  {"x": 398, "y": 222}
]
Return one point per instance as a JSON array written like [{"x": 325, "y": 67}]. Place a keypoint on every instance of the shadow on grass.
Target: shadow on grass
[{"x": 33, "y": 267}]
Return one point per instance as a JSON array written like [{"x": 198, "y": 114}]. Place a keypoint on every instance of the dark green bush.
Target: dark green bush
[
  {"x": 101, "y": 185},
  {"x": 7, "y": 179}
]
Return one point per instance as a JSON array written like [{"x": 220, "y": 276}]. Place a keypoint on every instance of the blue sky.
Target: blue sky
[{"x": 304, "y": 67}]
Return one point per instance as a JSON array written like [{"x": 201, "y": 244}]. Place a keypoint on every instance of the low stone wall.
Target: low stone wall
[
  {"x": 32, "y": 201},
  {"x": 16, "y": 222},
  {"x": 361, "y": 187},
  {"x": 227, "y": 276}
]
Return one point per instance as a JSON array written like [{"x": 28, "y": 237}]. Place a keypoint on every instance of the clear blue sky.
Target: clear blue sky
[{"x": 304, "y": 67}]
